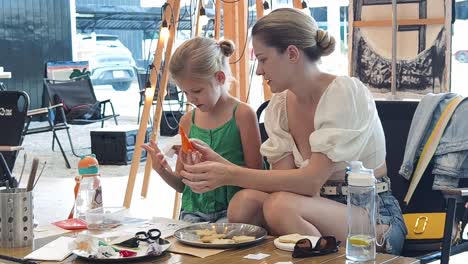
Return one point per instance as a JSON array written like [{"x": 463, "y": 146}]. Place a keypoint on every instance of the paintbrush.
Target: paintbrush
[
  {"x": 22, "y": 169},
  {"x": 40, "y": 173},
  {"x": 32, "y": 174}
]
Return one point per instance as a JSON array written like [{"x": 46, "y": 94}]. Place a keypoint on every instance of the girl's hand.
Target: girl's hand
[
  {"x": 206, "y": 176},
  {"x": 158, "y": 160}
]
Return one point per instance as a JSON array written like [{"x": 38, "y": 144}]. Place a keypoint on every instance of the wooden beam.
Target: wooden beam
[
  {"x": 217, "y": 23},
  {"x": 243, "y": 50},
  {"x": 446, "y": 86},
  {"x": 176, "y": 209},
  {"x": 230, "y": 22},
  {"x": 162, "y": 92},
  {"x": 350, "y": 37},
  {"x": 266, "y": 90},
  {"x": 297, "y": 4},
  {"x": 259, "y": 8},
  {"x": 400, "y": 22},
  {"x": 198, "y": 25}
]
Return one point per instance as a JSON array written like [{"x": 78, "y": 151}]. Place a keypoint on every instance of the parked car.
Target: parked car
[
  {"x": 110, "y": 62},
  {"x": 462, "y": 56}
]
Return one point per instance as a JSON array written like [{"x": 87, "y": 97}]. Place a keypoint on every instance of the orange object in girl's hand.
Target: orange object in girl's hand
[{"x": 186, "y": 145}]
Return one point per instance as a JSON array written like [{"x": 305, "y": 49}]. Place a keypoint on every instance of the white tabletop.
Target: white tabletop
[{"x": 4, "y": 75}]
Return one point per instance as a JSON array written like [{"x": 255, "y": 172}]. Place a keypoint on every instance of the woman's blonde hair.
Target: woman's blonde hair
[
  {"x": 201, "y": 58},
  {"x": 288, "y": 26}
]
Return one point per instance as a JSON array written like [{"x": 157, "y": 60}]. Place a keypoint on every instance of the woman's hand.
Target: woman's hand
[
  {"x": 207, "y": 154},
  {"x": 206, "y": 176},
  {"x": 158, "y": 160}
]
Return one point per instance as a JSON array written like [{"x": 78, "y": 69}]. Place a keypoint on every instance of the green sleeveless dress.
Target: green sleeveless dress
[{"x": 226, "y": 141}]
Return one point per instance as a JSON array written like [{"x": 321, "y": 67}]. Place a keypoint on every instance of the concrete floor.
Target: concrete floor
[{"x": 53, "y": 194}]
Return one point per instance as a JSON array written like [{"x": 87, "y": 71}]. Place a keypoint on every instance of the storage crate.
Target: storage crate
[
  {"x": 115, "y": 145},
  {"x": 170, "y": 123}
]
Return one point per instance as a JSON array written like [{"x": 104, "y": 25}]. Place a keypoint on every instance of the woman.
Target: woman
[{"x": 316, "y": 122}]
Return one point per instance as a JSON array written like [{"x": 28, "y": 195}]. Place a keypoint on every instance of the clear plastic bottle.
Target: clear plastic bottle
[
  {"x": 89, "y": 194},
  {"x": 361, "y": 240}
]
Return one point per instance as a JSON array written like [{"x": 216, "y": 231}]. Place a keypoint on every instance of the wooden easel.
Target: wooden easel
[{"x": 171, "y": 15}]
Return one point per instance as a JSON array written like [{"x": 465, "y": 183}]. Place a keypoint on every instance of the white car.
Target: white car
[{"x": 110, "y": 62}]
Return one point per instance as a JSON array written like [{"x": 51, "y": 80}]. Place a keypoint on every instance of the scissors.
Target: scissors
[{"x": 149, "y": 237}]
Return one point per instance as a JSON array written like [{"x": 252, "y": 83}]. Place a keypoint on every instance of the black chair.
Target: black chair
[
  {"x": 13, "y": 110},
  {"x": 396, "y": 117},
  {"x": 173, "y": 94},
  {"x": 261, "y": 125},
  {"x": 71, "y": 102},
  {"x": 75, "y": 94}
]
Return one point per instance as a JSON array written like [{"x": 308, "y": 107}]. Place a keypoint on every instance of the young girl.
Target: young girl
[{"x": 200, "y": 67}]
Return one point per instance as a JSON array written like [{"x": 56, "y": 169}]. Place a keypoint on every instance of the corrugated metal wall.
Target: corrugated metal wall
[
  {"x": 31, "y": 32},
  {"x": 131, "y": 39},
  {"x": 35, "y": 31}
]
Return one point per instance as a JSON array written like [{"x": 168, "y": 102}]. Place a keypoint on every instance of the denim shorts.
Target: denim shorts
[
  {"x": 389, "y": 213},
  {"x": 196, "y": 217}
]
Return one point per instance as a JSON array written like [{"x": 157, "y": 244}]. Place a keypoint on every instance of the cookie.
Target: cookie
[
  {"x": 223, "y": 241},
  {"x": 291, "y": 238},
  {"x": 243, "y": 239},
  {"x": 205, "y": 232}
]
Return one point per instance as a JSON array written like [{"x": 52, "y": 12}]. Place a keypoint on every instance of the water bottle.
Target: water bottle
[
  {"x": 89, "y": 194},
  {"x": 361, "y": 237}
]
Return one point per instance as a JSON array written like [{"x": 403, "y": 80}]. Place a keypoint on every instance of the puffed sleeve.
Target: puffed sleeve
[
  {"x": 345, "y": 120},
  {"x": 279, "y": 143}
]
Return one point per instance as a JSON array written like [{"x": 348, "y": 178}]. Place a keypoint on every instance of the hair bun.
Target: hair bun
[
  {"x": 325, "y": 42},
  {"x": 227, "y": 47}
]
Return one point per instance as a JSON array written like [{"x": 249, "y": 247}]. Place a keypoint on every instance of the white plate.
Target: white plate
[
  {"x": 141, "y": 253},
  {"x": 290, "y": 246}
]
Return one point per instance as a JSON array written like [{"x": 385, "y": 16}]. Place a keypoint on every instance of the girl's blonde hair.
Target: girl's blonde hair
[
  {"x": 201, "y": 58},
  {"x": 288, "y": 26}
]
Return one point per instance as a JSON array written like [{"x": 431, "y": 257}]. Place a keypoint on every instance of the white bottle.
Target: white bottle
[
  {"x": 361, "y": 238},
  {"x": 89, "y": 195}
]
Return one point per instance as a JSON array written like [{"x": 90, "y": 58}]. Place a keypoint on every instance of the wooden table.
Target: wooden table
[{"x": 236, "y": 256}]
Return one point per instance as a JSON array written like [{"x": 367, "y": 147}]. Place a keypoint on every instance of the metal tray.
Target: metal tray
[{"x": 188, "y": 236}]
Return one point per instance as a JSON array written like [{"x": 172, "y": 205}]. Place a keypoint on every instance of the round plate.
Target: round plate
[
  {"x": 290, "y": 246},
  {"x": 188, "y": 236},
  {"x": 141, "y": 253}
]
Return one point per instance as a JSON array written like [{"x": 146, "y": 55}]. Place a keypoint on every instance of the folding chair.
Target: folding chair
[
  {"x": 13, "y": 109},
  {"x": 74, "y": 94},
  {"x": 49, "y": 113}
]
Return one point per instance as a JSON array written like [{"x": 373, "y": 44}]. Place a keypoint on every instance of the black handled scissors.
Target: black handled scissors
[{"x": 149, "y": 236}]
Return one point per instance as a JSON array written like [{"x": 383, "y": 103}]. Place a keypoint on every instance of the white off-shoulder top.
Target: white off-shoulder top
[{"x": 347, "y": 128}]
